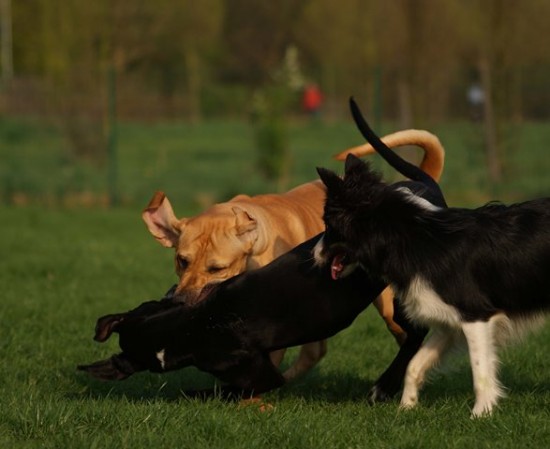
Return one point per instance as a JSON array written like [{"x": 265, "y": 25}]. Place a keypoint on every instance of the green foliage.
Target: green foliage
[
  {"x": 272, "y": 145},
  {"x": 175, "y": 51},
  {"x": 63, "y": 269},
  {"x": 209, "y": 162},
  {"x": 270, "y": 133}
]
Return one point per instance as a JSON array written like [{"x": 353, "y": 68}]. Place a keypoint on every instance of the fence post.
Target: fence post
[
  {"x": 6, "y": 44},
  {"x": 112, "y": 157},
  {"x": 377, "y": 99}
]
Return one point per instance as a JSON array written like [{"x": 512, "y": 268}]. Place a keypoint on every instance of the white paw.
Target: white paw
[
  {"x": 486, "y": 402},
  {"x": 408, "y": 403},
  {"x": 483, "y": 409}
]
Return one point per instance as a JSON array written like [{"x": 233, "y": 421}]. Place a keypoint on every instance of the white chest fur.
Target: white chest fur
[{"x": 422, "y": 303}]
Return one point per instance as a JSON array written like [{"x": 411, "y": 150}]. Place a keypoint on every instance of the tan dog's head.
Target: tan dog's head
[{"x": 210, "y": 247}]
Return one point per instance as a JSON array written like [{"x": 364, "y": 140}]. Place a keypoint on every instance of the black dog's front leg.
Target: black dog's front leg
[{"x": 390, "y": 382}]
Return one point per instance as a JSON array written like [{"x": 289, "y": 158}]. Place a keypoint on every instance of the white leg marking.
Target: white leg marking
[
  {"x": 429, "y": 354},
  {"x": 160, "y": 357},
  {"x": 484, "y": 361}
]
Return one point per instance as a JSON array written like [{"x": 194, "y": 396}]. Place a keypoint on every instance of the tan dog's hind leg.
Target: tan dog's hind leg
[
  {"x": 384, "y": 304},
  {"x": 309, "y": 356}
]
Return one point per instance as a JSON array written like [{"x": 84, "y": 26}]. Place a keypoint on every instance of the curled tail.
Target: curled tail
[
  {"x": 401, "y": 165},
  {"x": 434, "y": 153}
]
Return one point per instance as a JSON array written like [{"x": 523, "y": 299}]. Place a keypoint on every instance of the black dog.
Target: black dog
[
  {"x": 230, "y": 334},
  {"x": 472, "y": 273}
]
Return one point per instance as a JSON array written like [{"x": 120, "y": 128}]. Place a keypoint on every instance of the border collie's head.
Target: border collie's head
[{"x": 347, "y": 202}]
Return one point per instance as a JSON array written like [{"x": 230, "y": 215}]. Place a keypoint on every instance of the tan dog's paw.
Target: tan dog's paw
[{"x": 256, "y": 401}]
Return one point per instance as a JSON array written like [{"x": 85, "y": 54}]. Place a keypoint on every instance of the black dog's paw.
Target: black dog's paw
[{"x": 377, "y": 394}]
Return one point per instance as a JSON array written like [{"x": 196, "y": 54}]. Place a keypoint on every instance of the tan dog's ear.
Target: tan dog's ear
[
  {"x": 161, "y": 221},
  {"x": 246, "y": 227},
  {"x": 244, "y": 222}
]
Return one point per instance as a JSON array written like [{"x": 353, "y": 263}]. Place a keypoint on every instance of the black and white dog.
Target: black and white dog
[
  {"x": 231, "y": 332},
  {"x": 482, "y": 274}
]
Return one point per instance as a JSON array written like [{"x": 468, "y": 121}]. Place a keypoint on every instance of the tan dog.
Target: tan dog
[{"x": 249, "y": 232}]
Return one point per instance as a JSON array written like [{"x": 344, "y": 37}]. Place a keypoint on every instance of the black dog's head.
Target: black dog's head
[
  {"x": 348, "y": 201},
  {"x": 146, "y": 337},
  {"x": 119, "y": 366}
]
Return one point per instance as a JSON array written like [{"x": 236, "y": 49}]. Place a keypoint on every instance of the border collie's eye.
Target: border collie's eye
[{"x": 182, "y": 262}]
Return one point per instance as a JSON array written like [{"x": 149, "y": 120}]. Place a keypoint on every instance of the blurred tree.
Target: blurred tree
[
  {"x": 6, "y": 44},
  {"x": 170, "y": 54},
  {"x": 338, "y": 43},
  {"x": 68, "y": 51},
  {"x": 256, "y": 35},
  {"x": 417, "y": 44},
  {"x": 501, "y": 39},
  {"x": 185, "y": 37}
]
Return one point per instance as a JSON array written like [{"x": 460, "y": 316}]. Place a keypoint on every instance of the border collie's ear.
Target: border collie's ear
[
  {"x": 330, "y": 179},
  {"x": 360, "y": 174},
  {"x": 353, "y": 163},
  {"x": 106, "y": 325}
]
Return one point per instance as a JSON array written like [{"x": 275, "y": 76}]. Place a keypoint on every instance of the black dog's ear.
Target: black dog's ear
[
  {"x": 106, "y": 325},
  {"x": 330, "y": 179},
  {"x": 115, "y": 368}
]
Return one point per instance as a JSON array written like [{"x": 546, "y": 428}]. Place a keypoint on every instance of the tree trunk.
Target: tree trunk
[
  {"x": 405, "y": 105},
  {"x": 489, "y": 121},
  {"x": 193, "y": 84},
  {"x": 6, "y": 38}
]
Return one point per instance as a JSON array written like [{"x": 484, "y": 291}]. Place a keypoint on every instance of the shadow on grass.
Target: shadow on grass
[{"x": 316, "y": 386}]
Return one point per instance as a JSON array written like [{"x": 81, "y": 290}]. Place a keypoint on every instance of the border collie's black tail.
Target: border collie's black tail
[{"x": 401, "y": 165}]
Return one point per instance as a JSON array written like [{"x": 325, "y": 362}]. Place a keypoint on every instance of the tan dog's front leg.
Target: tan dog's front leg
[
  {"x": 384, "y": 304},
  {"x": 309, "y": 356}
]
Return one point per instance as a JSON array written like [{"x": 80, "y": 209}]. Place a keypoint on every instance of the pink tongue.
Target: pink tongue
[{"x": 336, "y": 267}]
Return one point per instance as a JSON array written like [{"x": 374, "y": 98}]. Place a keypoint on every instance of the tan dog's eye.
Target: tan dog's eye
[
  {"x": 182, "y": 262},
  {"x": 214, "y": 270}
]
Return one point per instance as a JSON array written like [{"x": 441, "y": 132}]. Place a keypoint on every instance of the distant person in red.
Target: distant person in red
[{"x": 312, "y": 100}]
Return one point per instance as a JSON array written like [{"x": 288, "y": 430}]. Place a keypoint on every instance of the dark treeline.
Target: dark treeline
[{"x": 413, "y": 60}]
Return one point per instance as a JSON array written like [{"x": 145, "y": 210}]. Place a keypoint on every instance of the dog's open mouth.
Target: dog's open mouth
[
  {"x": 342, "y": 260},
  {"x": 337, "y": 266}
]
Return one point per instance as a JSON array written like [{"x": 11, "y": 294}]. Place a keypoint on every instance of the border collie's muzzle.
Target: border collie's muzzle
[{"x": 342, "y": 262}]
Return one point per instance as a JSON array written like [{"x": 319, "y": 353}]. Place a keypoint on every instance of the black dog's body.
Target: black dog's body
[
  {"x": 231, "y": 333},
  {"x": 469, "y": 272}
]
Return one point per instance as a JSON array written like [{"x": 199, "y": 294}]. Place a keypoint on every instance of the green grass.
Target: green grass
[
  {"x": 61, "y": 269},
  {"x": 200, "y": 164}
]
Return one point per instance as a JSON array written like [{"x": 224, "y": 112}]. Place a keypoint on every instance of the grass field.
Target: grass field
[{"x": 61, "y": 268}]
